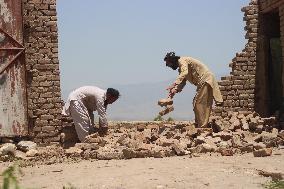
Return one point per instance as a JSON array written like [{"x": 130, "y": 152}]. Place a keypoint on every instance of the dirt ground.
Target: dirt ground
[{"x": 206, "y": 171}]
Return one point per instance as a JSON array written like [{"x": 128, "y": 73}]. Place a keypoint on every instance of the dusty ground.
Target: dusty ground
[{"x": 239, "y": 171}]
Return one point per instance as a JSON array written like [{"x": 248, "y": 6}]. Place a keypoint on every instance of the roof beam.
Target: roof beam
[{"x": 271, "y": 7}]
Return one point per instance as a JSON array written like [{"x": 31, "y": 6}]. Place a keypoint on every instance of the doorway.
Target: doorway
[
  {"x": 275, "y": 66},
  {"x": 269, "y": 85}
]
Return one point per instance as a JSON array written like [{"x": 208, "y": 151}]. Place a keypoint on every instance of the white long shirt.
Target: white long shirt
[{"x": 93, "y": 98}]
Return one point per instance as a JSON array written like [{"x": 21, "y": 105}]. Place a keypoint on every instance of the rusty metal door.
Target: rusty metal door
[{"x": 13, "y": 101}]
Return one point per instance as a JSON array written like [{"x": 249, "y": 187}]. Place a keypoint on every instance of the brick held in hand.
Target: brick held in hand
[
  {"x": 165, "y": 102},
  {"x": 168, "y": 109}
]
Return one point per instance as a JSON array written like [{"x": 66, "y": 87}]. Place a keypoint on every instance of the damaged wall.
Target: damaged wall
[
  {"x": 245, "y": 89},
  {"x": 238, "y": 88},
  {"x": 43, "y": 76},
  {"x": 248, "y": 87}
]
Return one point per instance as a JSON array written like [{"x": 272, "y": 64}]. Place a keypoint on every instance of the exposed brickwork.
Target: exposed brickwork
[
  {"x": 246, "y": 89},
  {"x": 43, "y": 87},
  {"x": 238, "y": 88}
]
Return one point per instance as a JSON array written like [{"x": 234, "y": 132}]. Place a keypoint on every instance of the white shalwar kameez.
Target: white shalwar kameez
[{"x": 81, "y": 104}]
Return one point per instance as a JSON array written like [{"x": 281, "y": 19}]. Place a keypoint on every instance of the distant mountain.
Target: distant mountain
[{"x": 139, "y": 102}]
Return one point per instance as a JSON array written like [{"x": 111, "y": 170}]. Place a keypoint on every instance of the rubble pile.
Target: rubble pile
[{"x": 235, "y": 134}]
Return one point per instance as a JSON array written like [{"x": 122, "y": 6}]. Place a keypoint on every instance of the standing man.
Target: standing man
[
  {"x": 81, "y": 104},
  {"x": 199, "y": 75}
]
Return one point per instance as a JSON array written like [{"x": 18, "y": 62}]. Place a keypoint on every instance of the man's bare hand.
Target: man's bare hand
[
  {"x": 173, "y": 92},
  {"x": 103, "y": 131},
  {"x": 171, "y": 87}
]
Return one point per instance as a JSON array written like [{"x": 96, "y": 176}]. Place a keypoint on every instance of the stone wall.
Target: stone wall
[{"x": 43, "y": 79}]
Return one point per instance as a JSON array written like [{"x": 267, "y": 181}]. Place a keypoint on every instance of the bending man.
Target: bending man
[
  {"x": 198, "y": 74},
  {"x": 81, "y": 104}
]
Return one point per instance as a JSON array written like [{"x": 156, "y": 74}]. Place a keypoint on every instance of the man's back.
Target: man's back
[
  {"x": 90, "y": 96},
  {"x": 87, "y": 91},
  {"x": 194, "y": 70}
]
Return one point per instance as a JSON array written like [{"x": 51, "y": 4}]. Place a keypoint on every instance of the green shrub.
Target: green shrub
[
  {"x": 274, "y": 184},
  {"x": 69, "y": 186},
  {"x": 159, "y": 118},
  {"x": 9, "y": 178},
  {"x": 170, "y": 119}
]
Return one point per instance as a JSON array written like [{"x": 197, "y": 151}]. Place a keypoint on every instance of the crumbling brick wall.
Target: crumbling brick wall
[
  {"x": 238, "y": 89},
  {"x": 246, "y": 89},
  {"x": 43, "y": 79}
]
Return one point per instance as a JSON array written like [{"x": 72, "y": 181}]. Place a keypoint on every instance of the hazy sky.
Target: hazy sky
[{"x": 110, "y": 42}]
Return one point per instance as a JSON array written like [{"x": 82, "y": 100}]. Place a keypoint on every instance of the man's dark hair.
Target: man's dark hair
[
  {"x": 171, "y": 56},
  {"x": 113, "y": 92}
]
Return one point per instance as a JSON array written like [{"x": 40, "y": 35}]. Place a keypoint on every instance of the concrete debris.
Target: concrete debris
[
  {"x": 20, "y": 155},
  {"x": 87, "y": 146},
  {"x": 236, "y": 134},
  {"x": 26, "y": 145},
  {"x": 8, "y": 149},
  {"x": 168, "y": 104},
  {"x": 258, "y": 146},
  {"x": 263, "y": 152},
  {"x": 73, "y": 151},
  {"x": 32, "y": 153},
  {"x": 167, "y": 110},
  {"x": 226, "y": 152},
  {"x": 165, "y": 102}
]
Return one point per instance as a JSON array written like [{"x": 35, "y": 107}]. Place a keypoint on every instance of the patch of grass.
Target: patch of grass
[
  {"x": 10, "y": 180},
  {"x": 159, "y": 118},
  {"x": 69, "y": 186},
  {"x": 170, "y": 119},
  {"x": 274, "y": 185}
]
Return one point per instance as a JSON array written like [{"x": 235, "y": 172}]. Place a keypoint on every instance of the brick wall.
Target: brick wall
[
  {"x": 43, "y": 76},
  {"x": 238, "y": 88},
  {"x": 43, "y": 79},
  {"x": 246, "y": 88}
]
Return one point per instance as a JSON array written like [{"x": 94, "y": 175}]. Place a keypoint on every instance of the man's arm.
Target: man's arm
[
  {"x": 181, "y": 86},
  {"x": 182, "y": 76},
  {"x": 91, "y": 114},
  {"x": 180, "y": 82},
  {"x": 102, "y": 113}
]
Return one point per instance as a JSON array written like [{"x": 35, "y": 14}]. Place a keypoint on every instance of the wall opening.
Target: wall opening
[{"x": 269, "y": 85}]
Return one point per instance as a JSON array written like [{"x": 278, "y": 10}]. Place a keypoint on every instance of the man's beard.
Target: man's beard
[{"x": 174, "y": 66}]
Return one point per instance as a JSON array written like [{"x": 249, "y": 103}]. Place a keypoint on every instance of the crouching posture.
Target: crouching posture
[
  {"x": 198, "y": 74},
  {"x": 81, "y": 104}
]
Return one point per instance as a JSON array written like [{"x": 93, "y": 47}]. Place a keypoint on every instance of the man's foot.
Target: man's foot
[{"x": 93, "y": 130}]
